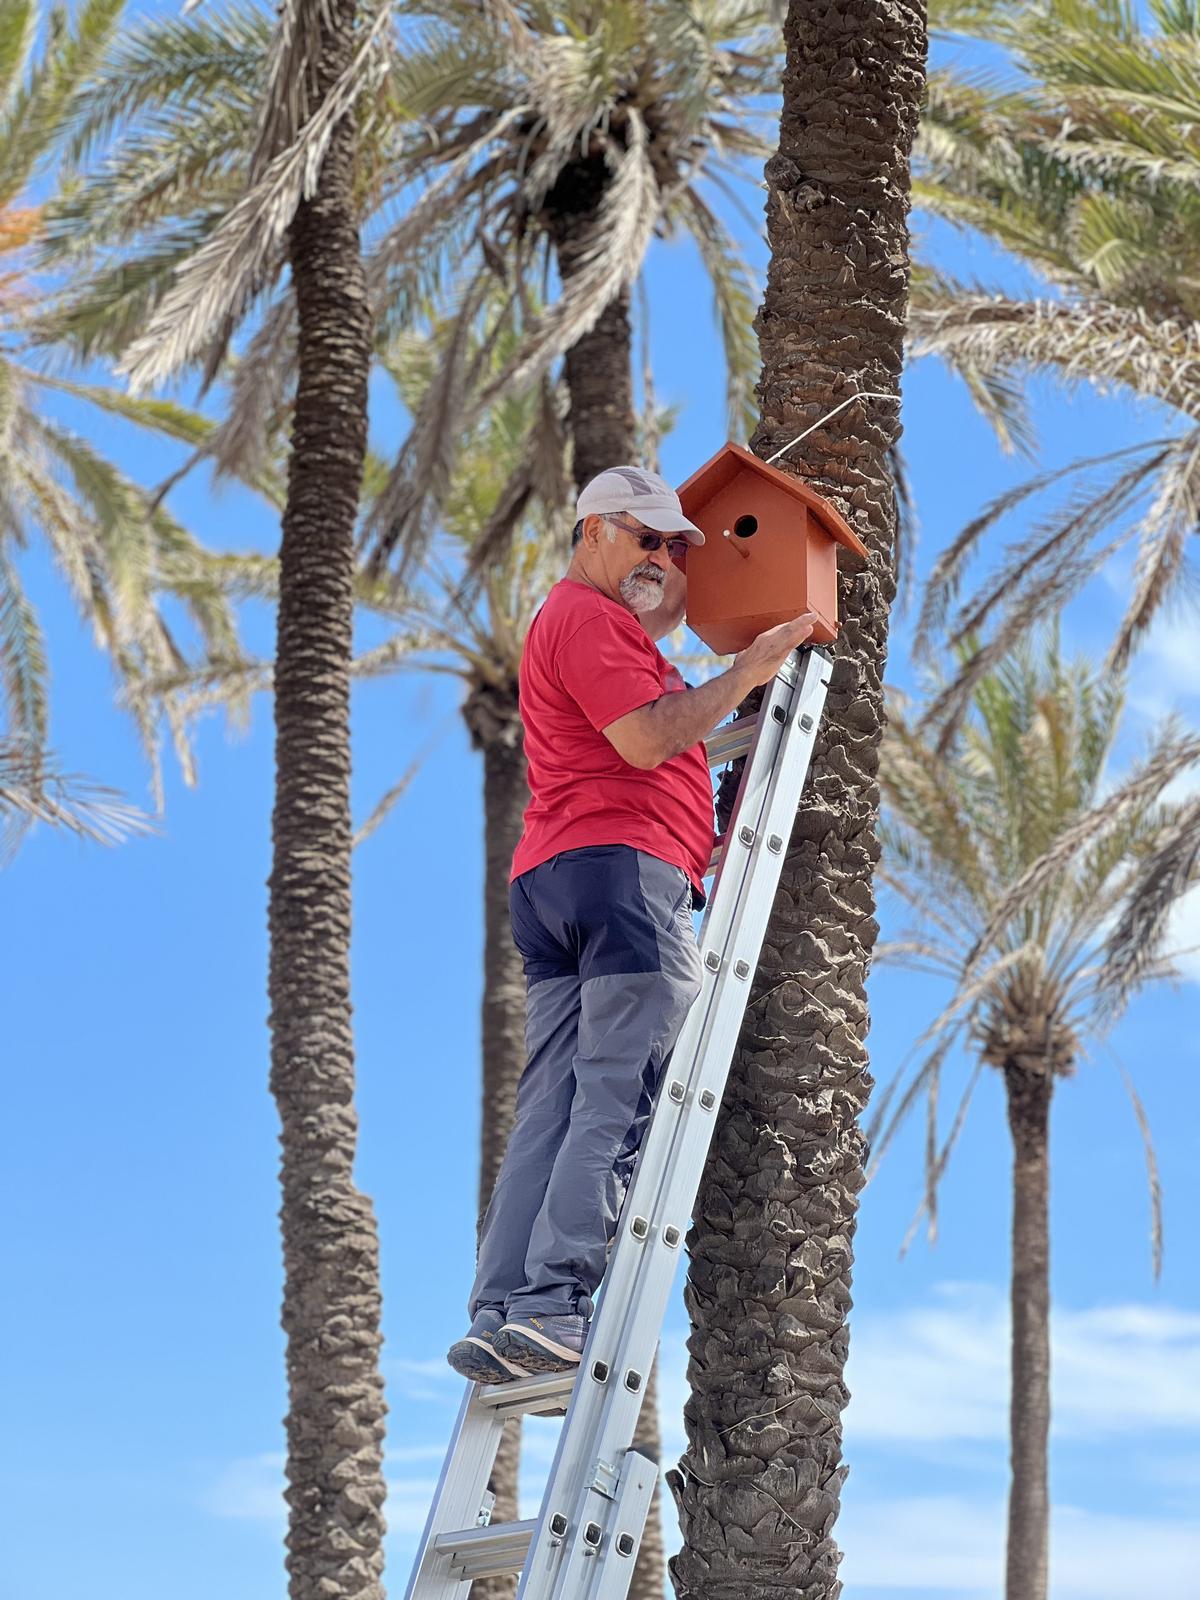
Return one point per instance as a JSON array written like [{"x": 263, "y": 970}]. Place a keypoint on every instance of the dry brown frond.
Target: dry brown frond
[
  {"x": 1153, "y": 1180},
  {"x": 1171, "y": 521},
  {"x": 219, "y": 280},
  {"x": 942, "y": 586},
  {"x": 1162, "y": 878},
  {"x": 609, "y": 256},
  {"x": 20, "y": 226},
  {"x": 1107, "y": 345},
  {"x": 1046, "y": 595},
  {"x": 1058, "y": 534},
  {"x": 421, "y": 471}
]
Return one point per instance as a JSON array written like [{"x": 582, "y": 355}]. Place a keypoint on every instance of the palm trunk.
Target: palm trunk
[
  {"x": 771, "y": 1246},
  {"x": 331, "y": 1297},
  {"x": 1026, "y": 1574},
  {"x": 599, "y": 371},
  {"x": 599, "y": 367},
  {"x": 495, "y": 726}
]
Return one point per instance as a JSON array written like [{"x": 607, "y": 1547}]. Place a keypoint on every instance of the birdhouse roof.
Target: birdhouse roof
[{"x": 731, "y": 459}]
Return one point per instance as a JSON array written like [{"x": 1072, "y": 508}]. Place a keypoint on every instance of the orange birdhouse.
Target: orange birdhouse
[{"x": 770, "y": 551}]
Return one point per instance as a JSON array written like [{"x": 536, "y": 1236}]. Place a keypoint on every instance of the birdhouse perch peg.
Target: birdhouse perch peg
[{"x": 770, "y": 552}]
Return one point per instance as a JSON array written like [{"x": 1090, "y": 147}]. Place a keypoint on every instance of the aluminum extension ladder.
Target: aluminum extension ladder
[{"x": 583, "y": 1543}]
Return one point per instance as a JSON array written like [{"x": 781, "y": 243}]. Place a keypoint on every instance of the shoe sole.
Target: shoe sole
[
  {"x": 481, "y": 1362},
  {"x": 535, "y": 1351}
]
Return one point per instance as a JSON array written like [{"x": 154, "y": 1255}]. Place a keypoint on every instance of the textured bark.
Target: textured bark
[
  {"x": 494, "y": 723},
  {"x": 599, "y": 367},
  {"x": 771, "y": 1246},
  {"x": 600, "y": 385},
  {"x": 331, "y": 1299},
  {"x": 1029, "y": 1095}
]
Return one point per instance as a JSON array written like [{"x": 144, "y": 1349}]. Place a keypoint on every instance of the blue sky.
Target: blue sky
[{"x": 143, "y": 1388}]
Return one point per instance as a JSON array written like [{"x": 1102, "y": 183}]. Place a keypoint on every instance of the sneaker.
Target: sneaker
[
  {"x": 543, "y": 1343},
  {"x": 475, "y": 1356}
]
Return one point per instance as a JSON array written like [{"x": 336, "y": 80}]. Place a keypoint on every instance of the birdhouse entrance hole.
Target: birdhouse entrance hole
[{"x": 745, "y": 526}]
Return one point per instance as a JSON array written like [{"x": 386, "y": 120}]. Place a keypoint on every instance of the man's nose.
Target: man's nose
[{"x": 660, "y": 557}]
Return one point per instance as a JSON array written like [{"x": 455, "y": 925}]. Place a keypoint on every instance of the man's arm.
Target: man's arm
[{"x": 675, "y": 722}]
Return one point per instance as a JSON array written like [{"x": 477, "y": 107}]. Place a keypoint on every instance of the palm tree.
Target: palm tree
[
  {"x": 331, "y": 1296},
  {"x": 1085, "y": 170},
  {"x": 502, "y": 140},
  {"x": 771, "y": 1244},
  {"x": 563, "y": 138},
  {"x": 119, "y": 551},
  {"x": 1042, "y": 887}
]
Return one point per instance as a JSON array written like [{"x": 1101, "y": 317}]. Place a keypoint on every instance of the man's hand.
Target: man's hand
[
  {"x": 675, "y": 722},
  {"x": 668, "y": 613},
  {"x": 760, "y": 661}
]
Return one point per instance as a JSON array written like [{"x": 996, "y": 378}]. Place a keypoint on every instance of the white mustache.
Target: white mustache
[{"x": 648, "y": 570}]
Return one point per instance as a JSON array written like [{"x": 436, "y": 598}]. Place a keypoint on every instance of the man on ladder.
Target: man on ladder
[{"x": 617, "y": 838}]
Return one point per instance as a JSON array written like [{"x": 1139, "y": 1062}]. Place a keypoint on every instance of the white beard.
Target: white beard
[{"x": 641, "y": 592}]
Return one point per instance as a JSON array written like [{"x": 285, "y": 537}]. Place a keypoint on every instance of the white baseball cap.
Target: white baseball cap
[{"x": 643, "y": 494}]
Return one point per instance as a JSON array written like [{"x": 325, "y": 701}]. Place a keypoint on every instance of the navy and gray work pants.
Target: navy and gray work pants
[{"x": 611, "y": 968}]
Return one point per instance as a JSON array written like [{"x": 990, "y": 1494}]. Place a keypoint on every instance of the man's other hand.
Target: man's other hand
[
  {"x": 668, "y": 613},
  {"x": 760, "y": 661}
]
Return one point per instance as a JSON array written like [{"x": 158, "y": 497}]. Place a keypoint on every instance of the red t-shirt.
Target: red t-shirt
[{"x": 586, "y": 662}]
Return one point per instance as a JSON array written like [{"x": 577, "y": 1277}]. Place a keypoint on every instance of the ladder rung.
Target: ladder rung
[
  {"x": 730, "y": 741},
  {"x": 538, "y": 1396},
  {"x": 486, "y": 1552}
]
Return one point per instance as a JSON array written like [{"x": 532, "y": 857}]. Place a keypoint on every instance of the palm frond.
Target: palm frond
[
  {"x": 608, "y": 256},
  {"x": 945, "y": 580},
  {"x": 22, "y": 660},
  {"x": 1109, "y": 346},
  {"x": 33, "y": 789},
  {"x": 1153, "y": 1179},
  {"x": 1162, "y": 878},
  {"x": 34, "y": 113},
  {"x": 735, "y": 298},
  {"x": 216, "y": 285},
  {"x": 1171, "y": 757},
  {"x": 1172, "y": 520}
]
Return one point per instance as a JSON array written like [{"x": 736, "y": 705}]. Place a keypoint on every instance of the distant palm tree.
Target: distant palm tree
[
  {"x": 771, "y": 1246},
  {"x": 119, "y": 552},
  {"x": 1085, "y": 169},
  {"x": 503, "y": 140},
  {"x": 1041, "y": 887}
]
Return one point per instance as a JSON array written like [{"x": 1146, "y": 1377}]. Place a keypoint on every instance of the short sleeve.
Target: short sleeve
[{"x": 608, "y": 666}]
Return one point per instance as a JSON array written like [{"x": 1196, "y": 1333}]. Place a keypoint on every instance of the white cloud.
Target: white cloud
[
  {"x": 939, "y": 1373},
  {"x": 1183, "y": 943},
  {"x": 250, "y": 1489},
  {"x": 956, "y": 1543},
  {"x": 423, "y": 1380},
  {"x": 408, "y": 1502},
  {"x": 926, "y": 1382},
  {"x": 1163, "y": 674}
]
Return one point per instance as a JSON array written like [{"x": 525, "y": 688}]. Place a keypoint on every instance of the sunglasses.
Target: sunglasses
[{"x": 649, "y": 541}]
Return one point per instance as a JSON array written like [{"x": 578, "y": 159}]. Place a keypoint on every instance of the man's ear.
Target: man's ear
[{"x": 592, "y": 526}]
